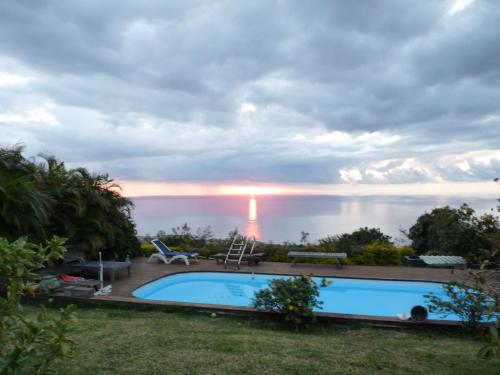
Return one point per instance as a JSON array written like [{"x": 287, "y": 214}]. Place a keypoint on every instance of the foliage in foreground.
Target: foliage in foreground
[
  {"x": 492, "y": 347},
  {"x": 471, "y": 303},
  {"x": 39, "y": 199},
  {"x": 474, "y": 301},
  {"x": 30, "y": 346},
  {"x": 294, "y": 298}
]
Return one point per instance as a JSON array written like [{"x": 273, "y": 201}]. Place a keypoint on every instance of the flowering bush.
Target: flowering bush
[{"x": 294, "y": 298}]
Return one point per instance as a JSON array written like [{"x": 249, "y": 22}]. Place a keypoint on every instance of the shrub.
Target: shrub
[
  {"x": 207, "y": 251},
  {"x": 148, "y": 249},
  {"x": 293, "y": 298},
  {"x": 275, "y": 252},
  {"x": 378, "y": 254},
  {"x": 381, "y": 254},
  {"x": 492, "y": 347},
  {"x": 30, "y": 346},
  {"x": 352, "y": 243},
  {"x": 471, "y": 303}
]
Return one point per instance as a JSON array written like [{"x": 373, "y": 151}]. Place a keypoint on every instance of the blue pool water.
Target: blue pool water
[{"x": 343, "y": 296}]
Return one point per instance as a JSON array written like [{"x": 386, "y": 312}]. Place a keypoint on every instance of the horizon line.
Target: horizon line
[{"x": 486, "y": 189}]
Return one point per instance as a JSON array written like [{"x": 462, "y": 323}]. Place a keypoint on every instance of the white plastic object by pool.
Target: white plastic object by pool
[{"x": 343, "y": 296}]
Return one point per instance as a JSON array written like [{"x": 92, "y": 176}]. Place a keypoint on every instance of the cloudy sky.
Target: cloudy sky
[{"x": 202, "y": 96}]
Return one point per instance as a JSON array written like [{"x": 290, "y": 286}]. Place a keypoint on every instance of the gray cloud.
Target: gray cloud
[{"x": 267, "y": 91}]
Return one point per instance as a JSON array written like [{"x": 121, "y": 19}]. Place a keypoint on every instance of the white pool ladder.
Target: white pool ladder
[{"x": 236, "y": 251}]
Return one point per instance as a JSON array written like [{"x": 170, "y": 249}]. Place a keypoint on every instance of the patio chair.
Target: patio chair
[{"x": 167, "y": 256}]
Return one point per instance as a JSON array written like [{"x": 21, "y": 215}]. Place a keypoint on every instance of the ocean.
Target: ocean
[{"x": 282, "y": 218}]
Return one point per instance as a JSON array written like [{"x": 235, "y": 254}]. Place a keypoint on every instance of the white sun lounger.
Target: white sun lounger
[
  {"x": 310, "y": 254},
  {"x": 167, "y": 256},
  {"x": 443, "y": 261}
]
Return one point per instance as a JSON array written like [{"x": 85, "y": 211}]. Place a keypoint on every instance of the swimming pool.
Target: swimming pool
[{"x": 343, "y": 296}]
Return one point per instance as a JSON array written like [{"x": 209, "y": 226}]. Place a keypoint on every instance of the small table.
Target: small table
[{"x": 108, "y": 266}]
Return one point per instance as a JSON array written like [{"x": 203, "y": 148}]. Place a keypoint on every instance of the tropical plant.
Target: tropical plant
[
  {"x": 37, "y": 198},
  {"x": 293, "y": 298},
  {"x": 30, "y": 346},
  {"x": 23, "y": 205}
]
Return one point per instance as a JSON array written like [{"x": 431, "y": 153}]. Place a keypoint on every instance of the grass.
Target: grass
[{"x": 114, "y": 341}]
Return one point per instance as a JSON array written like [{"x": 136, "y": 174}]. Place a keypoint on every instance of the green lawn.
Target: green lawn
[{"x": 113, "y": 341}]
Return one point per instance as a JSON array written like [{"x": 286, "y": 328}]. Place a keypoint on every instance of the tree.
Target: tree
[
  {"x": 449, "y": 231},
  {"x": 23, "y": 204},
  {"x": 38, "y": 198},
  {"x": 303, "y": 237}
]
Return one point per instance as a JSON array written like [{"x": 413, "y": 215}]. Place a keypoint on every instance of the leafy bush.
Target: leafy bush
[
  {"x": 471, "y": 303},
  {"x": 352, "y": 243},
  {"x": 275, "y": 252},
  {"x": 148, "y": 249},
  {"x": 405, "y": 251},
  {"x": 381, "y": 254},
  {"x": 30, "y": 346},
  {"x": 492, "y": 347},
  {"x": 207, "y": 251},
  {"x": 294, "y": 298}
]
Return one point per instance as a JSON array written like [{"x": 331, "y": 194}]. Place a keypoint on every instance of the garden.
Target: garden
[{"x": 46, "y": 208}]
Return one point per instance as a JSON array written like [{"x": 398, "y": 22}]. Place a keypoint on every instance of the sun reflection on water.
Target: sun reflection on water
[{"x": 252, "y": 228}]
